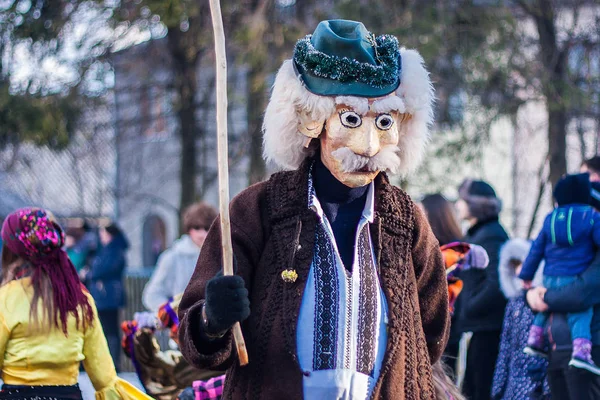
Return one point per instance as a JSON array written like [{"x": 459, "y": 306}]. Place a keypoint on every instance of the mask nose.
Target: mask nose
[{"x": 367, "y": 143}]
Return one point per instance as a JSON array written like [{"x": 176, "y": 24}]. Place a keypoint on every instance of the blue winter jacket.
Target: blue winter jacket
[
  {"x": 567, "y": 242},
  {"x": 106, "y": 275}
]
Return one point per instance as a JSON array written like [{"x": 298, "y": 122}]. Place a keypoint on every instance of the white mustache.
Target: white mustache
[{"x": 386, "y": 160}]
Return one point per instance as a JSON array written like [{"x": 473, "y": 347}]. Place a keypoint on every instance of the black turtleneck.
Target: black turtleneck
[{"x": 343, "y": 207}]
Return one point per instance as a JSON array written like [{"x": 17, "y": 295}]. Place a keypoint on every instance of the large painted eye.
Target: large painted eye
[
  {"x": 384, "y": 122},
  {"x": 350, "y": 119}
]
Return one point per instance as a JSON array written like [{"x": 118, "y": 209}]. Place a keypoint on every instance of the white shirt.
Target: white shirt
[
  {"x": 342, "y": 327},
  {"x": 173, "y": 272}
]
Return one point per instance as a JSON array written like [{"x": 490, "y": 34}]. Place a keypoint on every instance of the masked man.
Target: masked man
[{"x": 340, "y": 282}]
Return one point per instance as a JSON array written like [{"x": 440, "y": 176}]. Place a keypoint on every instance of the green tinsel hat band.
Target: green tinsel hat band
[{"x": 359, "y": 64}]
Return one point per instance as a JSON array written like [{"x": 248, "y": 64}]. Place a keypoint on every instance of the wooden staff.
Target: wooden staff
[{"x": 223, "y": 160}]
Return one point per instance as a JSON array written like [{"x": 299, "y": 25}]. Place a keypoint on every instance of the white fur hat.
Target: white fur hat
[{"x": 291, "y": 101}]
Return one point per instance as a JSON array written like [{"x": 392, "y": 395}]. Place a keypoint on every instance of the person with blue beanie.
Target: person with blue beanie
[{"x": 568, "y": 243}]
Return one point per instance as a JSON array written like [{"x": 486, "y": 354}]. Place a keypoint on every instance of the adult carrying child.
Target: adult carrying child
[{"x": 568, "y": 243}]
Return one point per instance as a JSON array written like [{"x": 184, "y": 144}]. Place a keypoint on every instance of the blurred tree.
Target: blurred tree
[
  {"x": 258, "y": 32},
  {"x": 266, "y": 36},
  {"x": 467, "y": 46},
  {"x": 249, "y": 32},
  {"x": 566, "y": 46},
  {"x": 256, "y": 36},
  {"x": 489, "y": 57},
  {"x": 29, "y": 110},
  {"x": 188, "y": 31}
]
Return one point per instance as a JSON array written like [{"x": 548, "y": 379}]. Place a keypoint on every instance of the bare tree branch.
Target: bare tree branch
[{"x": 543, "y": 180}]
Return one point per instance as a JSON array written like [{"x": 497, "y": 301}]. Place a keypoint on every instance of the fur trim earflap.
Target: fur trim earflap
[
  {"x": 283, "y": 144},
  {"x": 291, "y": 103},
  {"x": 481, "y": 199},
  {"x": 416, "y": 91},
  {"x": 511, "y": 285}
]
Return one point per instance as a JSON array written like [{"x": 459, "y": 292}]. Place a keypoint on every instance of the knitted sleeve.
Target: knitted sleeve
[
  {"x": 246, "y": 236},
  {"x": 432, "y": 286}
]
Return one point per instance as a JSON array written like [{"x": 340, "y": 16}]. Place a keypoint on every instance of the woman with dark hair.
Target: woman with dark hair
[
  {"x": 48, "y": 321},
  {"x": 442, "y": 219},
  {"x": 105, "y": 281}
]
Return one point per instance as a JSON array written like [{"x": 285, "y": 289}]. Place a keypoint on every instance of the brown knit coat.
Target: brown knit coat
[{"x": 272, "y": 230}]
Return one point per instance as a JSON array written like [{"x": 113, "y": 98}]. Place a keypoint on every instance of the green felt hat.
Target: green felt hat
[{"x": 342, "y": 58}]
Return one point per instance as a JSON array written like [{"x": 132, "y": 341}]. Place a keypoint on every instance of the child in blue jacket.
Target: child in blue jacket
[{"x": 568, "y": 243}]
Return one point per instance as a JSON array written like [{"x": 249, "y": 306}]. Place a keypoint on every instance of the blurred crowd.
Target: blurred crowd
[
  {"x": 523, "y": 324},
  {"x": 524, "y": 321}
]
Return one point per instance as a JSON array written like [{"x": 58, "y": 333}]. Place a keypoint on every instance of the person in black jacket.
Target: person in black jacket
[
  {"x": 570, "y": 383},
  {"x": 482, "y": 303},
  {"x": 565, "y": 382},
  {"x": 105, "y": 282}
]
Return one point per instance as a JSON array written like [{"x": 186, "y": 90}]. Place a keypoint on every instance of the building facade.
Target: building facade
[{"x": 148, "y": 146}]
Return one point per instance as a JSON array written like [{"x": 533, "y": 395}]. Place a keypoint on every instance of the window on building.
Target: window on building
[{"x": 154, "y": 240}]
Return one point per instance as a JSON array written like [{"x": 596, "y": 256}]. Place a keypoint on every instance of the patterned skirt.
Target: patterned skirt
[{"x": 18, "y": 392}]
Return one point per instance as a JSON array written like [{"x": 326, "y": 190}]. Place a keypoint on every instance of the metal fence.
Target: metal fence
[{"x": 135, "y": 281}]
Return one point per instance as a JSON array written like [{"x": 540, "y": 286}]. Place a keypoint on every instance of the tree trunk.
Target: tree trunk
[
  {"x": 185, "y": 81},
  {"x": 542, "y": 187},
  {"x": 516, "y": 209},
  {"x": 257, "y": 60},
  {"x": 581, "y": 137},
  {"x": 557, "y": 144},
  {"x": 554, "y": 77},
  {"x": 255, "y": 107}
]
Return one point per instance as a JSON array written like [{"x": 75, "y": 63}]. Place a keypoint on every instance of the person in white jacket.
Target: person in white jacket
[{"x": 176, "y": 264}]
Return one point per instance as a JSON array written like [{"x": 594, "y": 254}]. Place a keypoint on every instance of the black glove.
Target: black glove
[{"x": 226, "y": 303}]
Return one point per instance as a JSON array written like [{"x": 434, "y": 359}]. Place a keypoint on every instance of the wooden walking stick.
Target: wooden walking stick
[{"x": 223, "y": 159}]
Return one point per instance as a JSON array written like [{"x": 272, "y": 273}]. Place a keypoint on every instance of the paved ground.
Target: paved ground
[{"x": 88, "y": 390}]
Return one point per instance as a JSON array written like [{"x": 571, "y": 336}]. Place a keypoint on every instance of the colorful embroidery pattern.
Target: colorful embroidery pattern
[
  {"x": 326, "y": 303},
  {"x": 345, "y": 309},
  {"x": 39, "y": 234},
  {"x": 367, "y": 314},
  {"x": 349, "y": 308}
]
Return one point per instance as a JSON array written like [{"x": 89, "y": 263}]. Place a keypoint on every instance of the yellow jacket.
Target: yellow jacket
[{"x": 30, "y": 357}]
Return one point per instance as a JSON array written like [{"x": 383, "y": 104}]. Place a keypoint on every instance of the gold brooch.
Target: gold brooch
[{"x": 289, "y": 275}]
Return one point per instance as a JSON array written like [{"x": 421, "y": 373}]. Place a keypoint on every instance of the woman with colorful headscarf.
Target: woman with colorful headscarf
[{"x": 48, "y": 321}]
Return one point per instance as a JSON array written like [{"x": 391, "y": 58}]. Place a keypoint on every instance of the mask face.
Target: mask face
[{"x": 356, "y": 146}]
